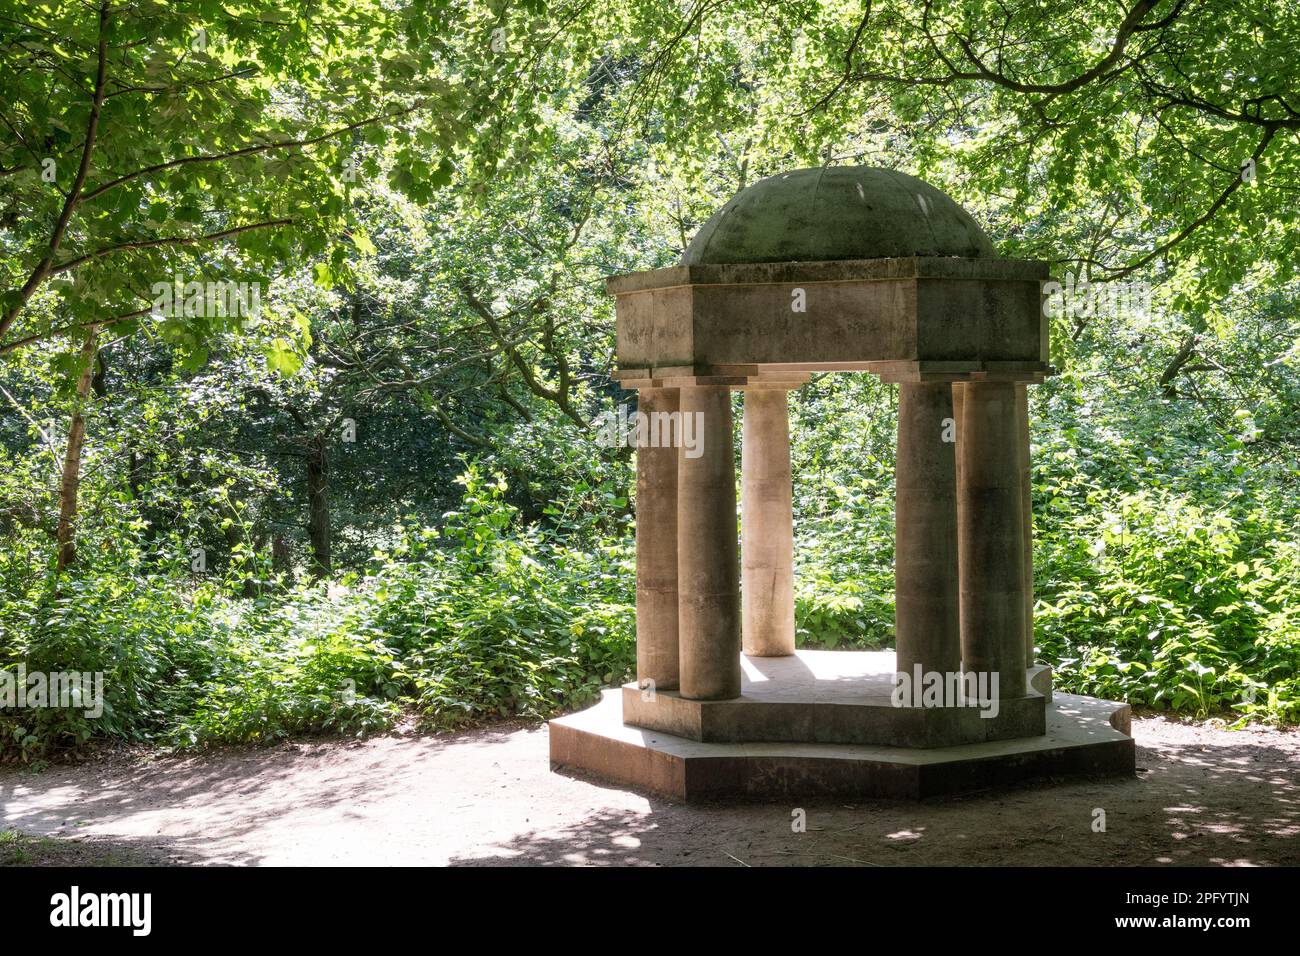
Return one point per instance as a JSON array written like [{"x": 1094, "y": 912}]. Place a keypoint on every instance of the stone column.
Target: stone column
[
  {"x": 927, "y": 609},
  {"x": 708, "y": 573},
  {"x": 1027, "y": 514},
  {"x": 656, "y": 542},
  {"x": 958, "y": 403},
  {"x": 991, "y": 536},
  {"x": 766, "y": 525}
]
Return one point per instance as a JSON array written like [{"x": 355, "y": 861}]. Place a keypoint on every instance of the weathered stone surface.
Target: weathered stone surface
[
  {"x": 838, "y": 269},
  {"x": 656, "y": 551},
  {"x": 831, "y": 697},
  {"x": 708, "y": 561},
  {"x": 991, "y": 535},
  {"x": 926, "y": 601},
  {"x": 767, "y": 526},
  {"x": 837, "y": 212},
  {"x": 1027, "y": 511},
  {"x": 851, "y": 270},
  {"x": 973, "y": 310},
  {"x": 1085, "y": 737}
]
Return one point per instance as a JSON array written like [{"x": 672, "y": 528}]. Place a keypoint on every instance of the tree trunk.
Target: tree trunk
[
  {"x": 70, "y": 482},
  {"x": 282, "y": 558},
  {"x": 319, "y": 505},
  {"x": 1181, "y": 358},
  {"x": 135, "y": 470}
]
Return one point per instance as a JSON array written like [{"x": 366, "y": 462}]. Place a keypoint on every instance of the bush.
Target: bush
[
  {"x": 478, "y": 619},
  {"x": 1154, "y": 600},
  {"x": 506, "y": 621},
  {"x": 1166, "y": 582}
]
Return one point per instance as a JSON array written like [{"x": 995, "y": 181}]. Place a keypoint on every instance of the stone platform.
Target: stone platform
[
  {"x": 1082, "y": 736},
  {"x": 833, "y": 697}
]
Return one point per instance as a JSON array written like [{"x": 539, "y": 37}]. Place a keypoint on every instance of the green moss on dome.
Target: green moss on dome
[{"x": 837, "y": 212}]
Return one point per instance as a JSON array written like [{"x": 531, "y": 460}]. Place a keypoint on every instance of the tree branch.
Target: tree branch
[
  {"x": 167, "y": 241},
  {"x": 247, "y": 151},
  {"x": 41, "y": 272}
]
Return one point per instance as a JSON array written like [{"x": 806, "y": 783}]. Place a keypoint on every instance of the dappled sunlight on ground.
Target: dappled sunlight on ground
[{"x": 487, "y": 797}]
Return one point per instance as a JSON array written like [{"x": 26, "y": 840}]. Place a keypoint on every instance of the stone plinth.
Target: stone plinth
[
  {"x": 832, "y": 697},
  {"x": 1083, "y": 737}
]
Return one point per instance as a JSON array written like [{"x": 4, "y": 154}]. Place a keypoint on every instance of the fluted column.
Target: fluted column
[
  {"x": 927, "y": 610},
  {"x": 708, "y": 573},
  {"x": 656, "y": 543},
  {"x": 766, "y": 525},
  {"x": 991, "y": 536}
]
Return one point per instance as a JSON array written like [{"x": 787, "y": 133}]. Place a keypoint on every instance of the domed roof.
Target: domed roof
[{"x": 837, "y": 212}]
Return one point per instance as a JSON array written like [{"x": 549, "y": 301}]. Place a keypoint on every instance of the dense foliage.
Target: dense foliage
[
  {"x": 379, "y": 496},
  {"x": 508, "y": 622}
]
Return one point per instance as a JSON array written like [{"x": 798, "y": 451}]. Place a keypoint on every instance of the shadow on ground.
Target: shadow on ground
[
  {"x": 487, "y": 798},
  {"x": 1192, "y": 804}
]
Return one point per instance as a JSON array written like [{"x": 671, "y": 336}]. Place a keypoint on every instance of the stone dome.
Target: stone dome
[{"x": 837, "y": 212}]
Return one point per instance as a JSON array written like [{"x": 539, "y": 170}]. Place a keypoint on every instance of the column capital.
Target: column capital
[{"x": 705, "y": 376}]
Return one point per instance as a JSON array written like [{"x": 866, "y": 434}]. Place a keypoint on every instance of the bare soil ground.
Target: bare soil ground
[{"x": 1202, "y": 796}]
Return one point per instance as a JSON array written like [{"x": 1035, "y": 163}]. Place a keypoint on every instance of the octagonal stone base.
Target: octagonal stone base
[
  {"x": 834, "y": 697},
  {"x": 1082, "y": 736}
]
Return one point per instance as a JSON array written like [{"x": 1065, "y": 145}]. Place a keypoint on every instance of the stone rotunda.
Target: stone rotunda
[{"x": 846, "y": 269}]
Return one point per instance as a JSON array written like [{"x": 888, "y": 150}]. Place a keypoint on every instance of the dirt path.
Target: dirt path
[{"x": 487, "y": 797}]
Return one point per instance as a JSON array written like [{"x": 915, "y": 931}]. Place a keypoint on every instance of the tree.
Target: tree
[
  {"x": 142, "y": 140},
  {"x": 149, "y": 145}
]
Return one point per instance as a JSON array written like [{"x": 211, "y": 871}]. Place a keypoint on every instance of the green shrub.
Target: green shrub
[
  {"x": 481, "y": 618},
  {"x": 507, "y": 622},
  {"x": 1159, "y": 602}
]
